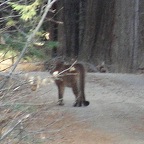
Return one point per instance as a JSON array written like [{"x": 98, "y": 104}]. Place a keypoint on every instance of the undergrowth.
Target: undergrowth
[{"x": 36, "y": 51}]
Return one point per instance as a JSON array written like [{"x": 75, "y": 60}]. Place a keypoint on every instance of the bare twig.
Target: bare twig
[
  {"x": 6, "y": 68},
  {"x": 31, "y": 36},
  {"x": 10, "y": 130},
  {"x": 8, "y": 58},
  {"x": 49, "y": 5},
  {"x": 4, "y": 2},
  {"x": 67, "y": 68}
]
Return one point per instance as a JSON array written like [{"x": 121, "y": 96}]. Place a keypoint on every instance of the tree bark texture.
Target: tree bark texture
[
  {"x": 124, "y": 36},
  {"x": 61, "y": 34},
  {"x": 141, "y": 35},
  {"x": 71, "y": 27},
  {"x": 98, "y": 31},
  {"x": 110, "y": 31}
]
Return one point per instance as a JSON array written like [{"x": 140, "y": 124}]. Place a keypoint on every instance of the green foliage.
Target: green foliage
[
  {"x": 27, "y": 11},
  {"x": 51, "y": 44},
  {"x": 16, "y": 42},
  {"x": 10, "y": 23},
  {"x": 29, "y": 17}
]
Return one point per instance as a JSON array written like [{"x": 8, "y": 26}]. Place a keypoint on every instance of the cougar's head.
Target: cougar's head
[{"x": 54, "y": 65}]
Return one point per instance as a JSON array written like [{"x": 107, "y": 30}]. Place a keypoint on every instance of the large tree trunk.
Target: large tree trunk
[
  {"x": 90, "y": 29},
  {"x": 105, "y": 30},
  {"x": 141, "y": 34},
  {"x": 110, "y": 34},
  {"x": 71, "y": 27},
  {"x": 101, "y": 52},
  {"x": 124, "y": 46},
  {"x": 61, "y": 34},
  {"x": 82, "y": 22},
  {"x": 98, "y": 36}
]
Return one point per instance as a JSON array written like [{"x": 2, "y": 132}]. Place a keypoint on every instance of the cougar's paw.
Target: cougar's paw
[
  {"x": 60, "y": 103},
  {"x": 77, "y": 104},
  {"x": 86, "y": 103}
]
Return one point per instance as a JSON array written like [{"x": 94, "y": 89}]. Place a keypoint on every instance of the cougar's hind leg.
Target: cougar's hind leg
[
  {"x": 60, "y": 94},
  {"x": 78, "y": 101}
]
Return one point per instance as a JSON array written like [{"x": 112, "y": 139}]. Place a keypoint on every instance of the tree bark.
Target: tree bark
[
  {"x": 90, "y": 30},
  {"x": 141, "y": 35},
  {"x": 71, "y": 27},
  {"x": 96, "y": 45},
  {"x": 61, "y": 34},
  {"x": 109, "y": 31},
  {"x": 123, "y": 43}
]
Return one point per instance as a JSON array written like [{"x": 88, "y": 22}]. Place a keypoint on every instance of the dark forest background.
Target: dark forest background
[{"x": 97, "y": 31}]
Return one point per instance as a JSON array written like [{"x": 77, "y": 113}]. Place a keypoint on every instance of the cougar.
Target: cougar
[{"x": 66, "y": 75}]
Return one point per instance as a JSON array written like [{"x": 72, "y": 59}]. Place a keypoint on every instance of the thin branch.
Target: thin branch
[
  {"x": 8, "y": 58},
  {"x": 10, "y": 130},
  {"x": 49, "y": 5},
  {"x": 6, "y": 68},
  {"x": 29, "y": 39},
  {"x": 57, "y": 22},
  {"x": 67, "y": 68},
  {"x": 4, "y": 3}
]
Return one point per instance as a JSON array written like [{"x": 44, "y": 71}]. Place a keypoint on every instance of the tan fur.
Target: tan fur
[{"x": 70, "y": 76}]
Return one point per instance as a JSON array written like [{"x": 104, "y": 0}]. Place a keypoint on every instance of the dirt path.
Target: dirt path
[{"x": 115, "y": 114}]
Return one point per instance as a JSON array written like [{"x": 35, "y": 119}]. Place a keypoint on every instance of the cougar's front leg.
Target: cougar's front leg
[{"x": 60, "y": 93}]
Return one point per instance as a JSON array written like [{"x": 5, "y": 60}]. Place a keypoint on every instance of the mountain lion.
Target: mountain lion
[{"x": 66, "y": 75}]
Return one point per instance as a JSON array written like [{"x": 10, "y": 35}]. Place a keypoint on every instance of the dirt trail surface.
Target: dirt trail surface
[
  {"x": 117, "y": 106},
  {"x": 115, "y": 114}
]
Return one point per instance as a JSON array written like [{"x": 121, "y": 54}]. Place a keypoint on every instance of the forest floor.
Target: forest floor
[{"x": 115, "y": 114}]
